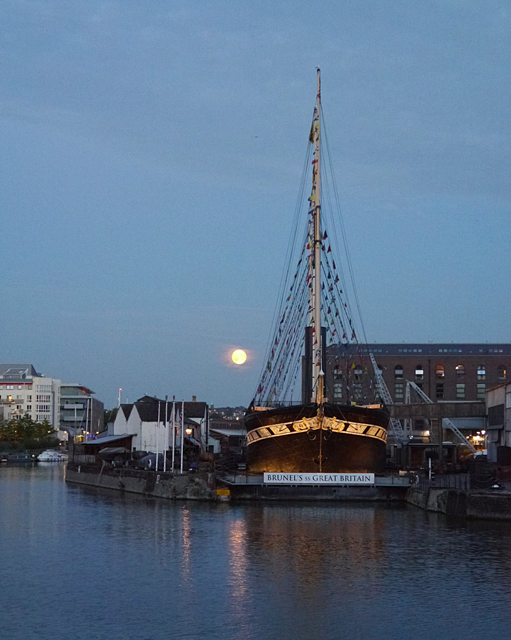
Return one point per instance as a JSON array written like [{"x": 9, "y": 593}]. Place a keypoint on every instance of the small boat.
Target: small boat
[
  {"x": 50, "y": 456},
  {"x": 318, "y": 433},
  {"x": 21, "y": 457}
]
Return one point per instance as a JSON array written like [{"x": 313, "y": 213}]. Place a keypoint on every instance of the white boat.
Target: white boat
[{"x": 50, "y": 456}]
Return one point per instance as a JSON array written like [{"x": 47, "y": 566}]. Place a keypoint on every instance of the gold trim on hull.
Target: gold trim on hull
[{"x": 312, "y": 424}]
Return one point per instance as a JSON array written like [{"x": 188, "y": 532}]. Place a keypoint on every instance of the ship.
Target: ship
[{"x": 316, "y": 433}]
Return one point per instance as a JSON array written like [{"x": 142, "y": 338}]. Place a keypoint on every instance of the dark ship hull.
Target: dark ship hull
[{"x": 347, "y": 439}]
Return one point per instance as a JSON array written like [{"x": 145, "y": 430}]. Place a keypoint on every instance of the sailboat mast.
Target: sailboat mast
[{"x": 316, "y": 273}]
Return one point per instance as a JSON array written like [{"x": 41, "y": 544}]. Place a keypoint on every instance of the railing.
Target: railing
[
  {"x": 84, "y": 459},
  {"x": 459, "y": 481}
]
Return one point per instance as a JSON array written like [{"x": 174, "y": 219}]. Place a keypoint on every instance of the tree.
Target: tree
[{"x": 24, "y": 431}]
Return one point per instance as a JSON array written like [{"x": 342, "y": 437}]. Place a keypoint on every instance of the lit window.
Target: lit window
[
  {"x": 440, "y": 372},
  {"x": 419, "y": 373},
  {"x": 398, "y": 371},
  {"x": 501, "y": 372},
  {"x": 460, "y": 372},
  {"x": 481, "y": 372}
]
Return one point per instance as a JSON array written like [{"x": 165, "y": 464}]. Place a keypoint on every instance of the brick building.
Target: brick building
[{"x": 445, "y": 372}]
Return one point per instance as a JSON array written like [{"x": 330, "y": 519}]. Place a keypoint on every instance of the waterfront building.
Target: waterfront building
[
  {"x": 25, "y": 391},
  {"x": 498, "y": 428},
  {"x": 452, "y": 373},
  {"x": 445, "y": 372},
  {"x": 147, "y": 420},
  {"x": 79, "y": 411},
  {"x": 231, "y": 435}
]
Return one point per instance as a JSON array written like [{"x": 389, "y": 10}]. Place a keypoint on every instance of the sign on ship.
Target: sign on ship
[{"x": 365, "y": 479}]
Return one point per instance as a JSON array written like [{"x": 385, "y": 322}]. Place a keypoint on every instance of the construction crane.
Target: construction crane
[
  {"x": 397, "y": 429},
  {"x": 401, "y": 434},
  {"x": 445, "y": 421}
]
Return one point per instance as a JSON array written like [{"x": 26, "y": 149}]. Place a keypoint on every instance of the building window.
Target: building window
[
  {"x": 358, "y": 374},
  {"x": 337, "y": 391},
  {"x": 481, "y": 372},
  {"x": 460, "y": 391},
  {"x": 29, "y": 407},
  {"x": 398, "y": 392},
  {"x": 439, "y": 390},
  {"x": 337, "y": 373},
  {"x": 481, "y": 390},
  {"x": 398, "y": 372},
  {"x": 439, "y": 372},
  {"x": 501, "y": 372},
  {"x": 508, "y": 400},
  {"x": 419, "y": 373},
  {"x": 460, "y": 372}
]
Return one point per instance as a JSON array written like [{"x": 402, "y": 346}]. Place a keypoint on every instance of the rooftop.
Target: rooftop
[
  {"x": 449, "y": 348},
  {"x": 17, "y": 371}
]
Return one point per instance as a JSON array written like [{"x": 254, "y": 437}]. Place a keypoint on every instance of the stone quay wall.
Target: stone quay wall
[
  {"x": 482, "y": 505},
  {"x": 159, "y": 485}
]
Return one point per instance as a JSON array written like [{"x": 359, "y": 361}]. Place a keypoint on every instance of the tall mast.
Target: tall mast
[{"x": 317, "y": 369}]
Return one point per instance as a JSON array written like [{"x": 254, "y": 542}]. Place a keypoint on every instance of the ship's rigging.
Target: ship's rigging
[{"x": 310, "y": 296}]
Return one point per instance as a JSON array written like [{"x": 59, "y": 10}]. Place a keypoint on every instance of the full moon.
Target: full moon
[{"x": 238, "y": 356}]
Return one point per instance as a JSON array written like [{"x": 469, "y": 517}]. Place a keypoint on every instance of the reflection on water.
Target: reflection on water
[{"x": 81, "y": 563}]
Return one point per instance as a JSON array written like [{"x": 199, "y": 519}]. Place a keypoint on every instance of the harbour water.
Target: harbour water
[{"x": 91, "y": 565}]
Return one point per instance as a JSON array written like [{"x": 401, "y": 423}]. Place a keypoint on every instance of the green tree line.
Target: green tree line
[{"x": 27, "y": 434}]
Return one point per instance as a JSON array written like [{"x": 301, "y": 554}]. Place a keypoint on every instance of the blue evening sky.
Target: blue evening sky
[{"x": 151, "y": 158}]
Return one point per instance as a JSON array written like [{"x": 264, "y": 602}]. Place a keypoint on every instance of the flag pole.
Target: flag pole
[
  {"x": 173, "y": 434},
  {"x": 166, "y": 437},
  {"x": 157, "y": 436},
  {"x": 182, "y": 432}
]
